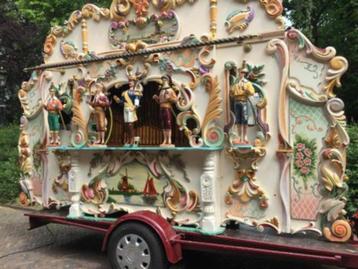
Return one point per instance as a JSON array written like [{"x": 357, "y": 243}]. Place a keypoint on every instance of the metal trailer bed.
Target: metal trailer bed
[{"x": 243, "y": 240}]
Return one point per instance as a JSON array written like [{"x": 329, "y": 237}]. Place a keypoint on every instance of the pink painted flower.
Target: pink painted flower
[
  {"x": 308, "y": 152},
  {"x": 299, "y": 156},
  {"x": 114, "y": 25},
  {"x": 307, "y": 162},
  {"x": 304, "y": 170},
  {"x": 299, "y": 163},
  {"x": 301, "y": 146}
]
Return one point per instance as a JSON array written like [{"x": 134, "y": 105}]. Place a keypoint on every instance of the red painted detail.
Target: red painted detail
[
  {"x": 228, "y": 240},
  {"x": 160, "y": 226},
  {"x": 334, "y": 259},
  {"x": 38, "y": 220}
]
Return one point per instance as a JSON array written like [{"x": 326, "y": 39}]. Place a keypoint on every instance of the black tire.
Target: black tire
[{"x": 153, "y": 247}]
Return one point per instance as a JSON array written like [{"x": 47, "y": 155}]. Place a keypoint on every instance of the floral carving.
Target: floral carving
[{"x": 141, "y": 7}]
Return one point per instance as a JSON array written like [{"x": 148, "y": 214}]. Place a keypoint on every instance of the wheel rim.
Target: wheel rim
[{"x": 132, "y": 252}]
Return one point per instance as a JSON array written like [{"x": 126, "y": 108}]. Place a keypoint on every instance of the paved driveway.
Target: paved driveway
[{"x": 57, "y": 246}]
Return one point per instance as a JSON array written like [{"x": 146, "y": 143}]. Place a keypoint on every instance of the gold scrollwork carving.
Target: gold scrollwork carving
[
  {"x": 244, "y": 186},
  {"x": 273, "y": 8},
  {"x": 213, "y": 135},
  {"x": 332, "y": 168},
  {"x": 165, "y": 5},
  {"x": 88, "y": 11},
  {"x": 119, "y": 9},
  {"x": 337, "y": 67}
]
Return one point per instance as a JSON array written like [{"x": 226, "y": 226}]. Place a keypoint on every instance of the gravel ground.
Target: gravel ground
[{"x": 58, "y": 246}]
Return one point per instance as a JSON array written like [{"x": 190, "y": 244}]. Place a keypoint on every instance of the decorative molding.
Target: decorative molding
[
  {"x": 239, "y": 20},
  {"x": 322, "y": 55},
  {"x": 244, "y": 186},
  {"x": 208, "y": 191},
  {"x": 273, "y": 8},
  {"x": 280, "y": 47},
  {"x": 332, "y": 169},
  {"x": 337, "y": 67},
  {"x": 310, "y": 228},
  {"x": 212, "y": 135},
  {"x": 88, "y": 11},
  {"x": 79, "y": 135},
  {"x": 213, "y": 17},
  {"x": 305, "y": 94},
  {"x": 165, "y": 5}
]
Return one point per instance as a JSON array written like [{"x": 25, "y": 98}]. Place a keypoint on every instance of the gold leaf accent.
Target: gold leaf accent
[
  {"x": 165, "y": 5},
  {"x": 119, "y": 9},
  {"x": 88, "y": 11},
  {"x": 337, "y": 67},
  {"x": 273, "y": 8},
  {"x": 330, "y": 179},
  {"x": 214, "y": 109},
  {"x": 333, "y": 140}
]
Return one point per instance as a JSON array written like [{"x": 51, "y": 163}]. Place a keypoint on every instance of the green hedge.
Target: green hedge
[{"x": 9, "y": 166}]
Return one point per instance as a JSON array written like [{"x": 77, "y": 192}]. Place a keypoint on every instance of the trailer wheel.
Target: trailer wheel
[{"x": 135, "y": 246}]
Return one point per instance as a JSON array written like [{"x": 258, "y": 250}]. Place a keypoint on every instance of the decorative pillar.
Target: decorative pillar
[
  {"x": 208, "y": 183},
  {"x": 84, "y": 36},
  {"x": 213, "y": 17},
  {"x": 74, "y": 186}
]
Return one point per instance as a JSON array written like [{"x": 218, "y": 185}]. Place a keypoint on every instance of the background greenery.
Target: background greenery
[{"x": 24, "y": 25}]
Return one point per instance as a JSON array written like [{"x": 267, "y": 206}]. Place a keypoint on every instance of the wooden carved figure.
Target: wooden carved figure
[
  {"x": 130, "y": 100},
  {"x": 100, "y": 103},
  {"x": 240, "y": 91},
  {"x": 54, "y": 107},
  {"x": 167, "y": 97}
]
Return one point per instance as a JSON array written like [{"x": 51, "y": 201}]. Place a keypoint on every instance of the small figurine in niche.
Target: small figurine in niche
[
  {"x": 167, "y": 97},
  {"x": 131, "y": 101},
  {"x": 100, "y": 103},
  {"x": 240, "y": 91},
  {"x": 54, "y": 107}
]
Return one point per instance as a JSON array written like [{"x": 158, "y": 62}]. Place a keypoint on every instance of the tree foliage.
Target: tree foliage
[
  {"x": 9, "y": 167},
  {"x": 332, "y": 23},
  {"x": 19, "y": 40},
  {"x": 352, "y": 170},
  {"x": 24, "y": 25},
  {"x": 53, "y": 12}
]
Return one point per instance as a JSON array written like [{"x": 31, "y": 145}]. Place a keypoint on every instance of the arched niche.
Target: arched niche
[{"x": 148, "y": 126}]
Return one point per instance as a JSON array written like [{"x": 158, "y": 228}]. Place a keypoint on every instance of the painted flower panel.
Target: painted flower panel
[{"x": 305, "y": 158}]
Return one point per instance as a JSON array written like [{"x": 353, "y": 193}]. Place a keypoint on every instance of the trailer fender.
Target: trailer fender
[{"x": 159, "y": 225}]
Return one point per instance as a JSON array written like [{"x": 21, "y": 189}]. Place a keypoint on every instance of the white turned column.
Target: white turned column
[
  {"x": 74, "y": 186},
  {"x": 208, "y": 188}
]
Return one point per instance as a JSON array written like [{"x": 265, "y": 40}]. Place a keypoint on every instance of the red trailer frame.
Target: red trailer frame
[{"x": 243, "y": 240}]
